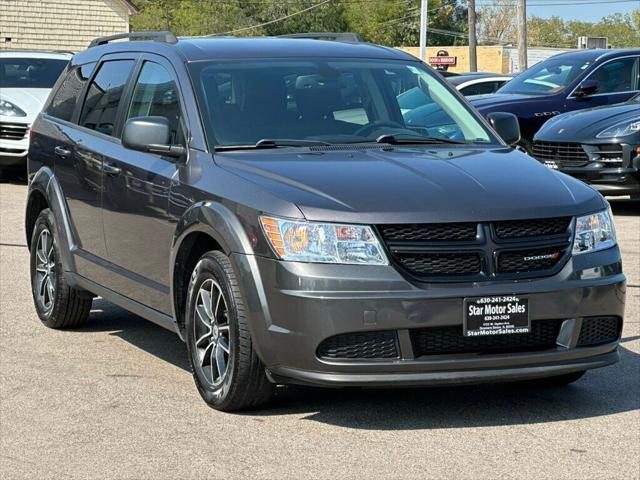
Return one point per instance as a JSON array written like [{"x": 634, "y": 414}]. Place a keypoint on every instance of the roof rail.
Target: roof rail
[
  {"x": 164, "y": 37},
  {"x": 348, "y": 37}
]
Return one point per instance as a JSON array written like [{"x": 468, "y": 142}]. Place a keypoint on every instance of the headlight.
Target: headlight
[
  {"x": 301, "y": 241},
  {"x": 8, "y": 109},
  {"x": 621, "y": 129},
  {"x": 594, "y": 232}
]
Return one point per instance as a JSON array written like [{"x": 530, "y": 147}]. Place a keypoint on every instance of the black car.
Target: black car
[
  {"x": 600, "y": 146},
  {"x": 266, "y": 200},
  {"x": 565, "y": 82}
]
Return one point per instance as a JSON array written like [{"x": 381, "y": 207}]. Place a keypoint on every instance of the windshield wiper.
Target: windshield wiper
[
  {"x": 266, "y": 143},
  {"x": 395, "y": 140}
]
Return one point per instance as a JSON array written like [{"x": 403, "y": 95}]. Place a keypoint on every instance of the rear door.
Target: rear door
[
  {"x": 137, "y": 226},
  {"x": 60, "y": 142},
  {"x": 94, "y": 145}
]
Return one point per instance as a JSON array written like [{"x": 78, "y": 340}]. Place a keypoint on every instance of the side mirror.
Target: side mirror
[
  {"x": 586, "y": 88},
  {"x": 507, "y": 126},
  {"x": 152, "y": 135}
]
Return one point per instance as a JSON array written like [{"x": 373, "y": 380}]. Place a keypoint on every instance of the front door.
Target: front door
[
  {"x": 617, "y": 82},
  {"x": 137, "y": 226}
]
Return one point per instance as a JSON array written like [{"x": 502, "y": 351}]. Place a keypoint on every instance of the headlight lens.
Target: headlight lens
[
  {"x": 594, "y": 232},
  {"x": 8, "y": 109},
  {"x": 621, "y": 129},
  {"x": 301, "y": 241}
]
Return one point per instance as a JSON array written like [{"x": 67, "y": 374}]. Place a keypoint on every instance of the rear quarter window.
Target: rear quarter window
[{"x": 64, "y": 100}]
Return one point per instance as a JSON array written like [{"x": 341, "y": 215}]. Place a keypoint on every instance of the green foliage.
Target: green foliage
[
  {"x": 388, "y": 22},
  {"x": 621, "y": 30}
]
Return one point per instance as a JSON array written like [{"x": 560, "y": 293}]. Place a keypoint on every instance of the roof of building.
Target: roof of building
[{"x": 133, "y": 10}]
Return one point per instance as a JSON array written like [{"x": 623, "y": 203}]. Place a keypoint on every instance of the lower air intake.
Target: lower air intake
[{"x": 361, "y": 345}]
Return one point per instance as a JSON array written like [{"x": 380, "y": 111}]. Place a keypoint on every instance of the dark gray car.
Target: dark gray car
[{"x": 271, "y": 202}]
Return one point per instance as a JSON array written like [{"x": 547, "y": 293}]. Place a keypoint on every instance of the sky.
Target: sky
[{"x": 588, "y": 13}]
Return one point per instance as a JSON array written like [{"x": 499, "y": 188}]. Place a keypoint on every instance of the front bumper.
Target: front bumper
[
  {"x": 13, "y": 152},
  {"x": 608, "y": 181},
  {"x": 293, "y": 307}
]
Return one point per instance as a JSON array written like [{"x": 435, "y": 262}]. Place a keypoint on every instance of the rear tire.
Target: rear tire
[
  {"x": 58, "y": 305},
  {"x": 227, "y": 371}
]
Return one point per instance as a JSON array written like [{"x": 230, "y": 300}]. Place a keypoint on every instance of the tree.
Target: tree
[{"x": 497, "y": 24}]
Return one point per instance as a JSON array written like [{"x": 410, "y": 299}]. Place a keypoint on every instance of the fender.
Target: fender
[
  {"x": 215, "y": 220},
  {"x": 45, "y": 182}
]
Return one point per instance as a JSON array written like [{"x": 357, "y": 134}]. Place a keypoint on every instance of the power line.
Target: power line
[
  {"x": 300, "y": 12},
  {"x": 564, "y": 3}
]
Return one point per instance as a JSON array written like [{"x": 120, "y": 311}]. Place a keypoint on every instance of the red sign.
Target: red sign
[{"x": 442, "y": 60}]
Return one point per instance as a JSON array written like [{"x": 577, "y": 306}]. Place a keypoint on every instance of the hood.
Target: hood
[
  {"x": 492, "y": 100},
  {"x": 410, "y": 185},
  {"x": 30, "y": 100},
  {"x": 584, "y": 125}
]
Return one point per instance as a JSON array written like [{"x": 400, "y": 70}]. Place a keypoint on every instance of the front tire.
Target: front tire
[
  {"x": 227, "y": 371},
  {"x": 58, "y": 305}
]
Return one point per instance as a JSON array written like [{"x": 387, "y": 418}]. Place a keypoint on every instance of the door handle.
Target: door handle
[
  {"x": 61, "y": 152},
  {"x": 110, "y": 169}
]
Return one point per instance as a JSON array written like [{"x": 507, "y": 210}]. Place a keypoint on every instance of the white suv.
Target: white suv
[{"x": 26, "y": 78}]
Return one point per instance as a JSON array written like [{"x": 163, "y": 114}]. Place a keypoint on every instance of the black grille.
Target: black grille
[
  {"x": 531, "y": 260},
  {"x": 430, "y": 232},
  {"x": 442, "y": 263},
  {"x": 562, "y": 154},
  {"x": 450, "y": 340},
  {"x": 362, "y": 345},
  {"x": 532, "y": 228},
  {"x": 13, "y": 131},
  {"x": 598, "y": 330}
]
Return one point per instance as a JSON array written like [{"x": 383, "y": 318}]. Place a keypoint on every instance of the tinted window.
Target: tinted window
[
  {"x": 63, "y": 102},
  {"x": 103, "y": 98},
  {"x": 328, "y": 101},
  {"x": 156, "y": 94},
  {"x": 547, "y": 77},
  {"x": 481, "y": 88},
  {"x": 617, "y": 76},
  {"x": 30, "y": 72}
]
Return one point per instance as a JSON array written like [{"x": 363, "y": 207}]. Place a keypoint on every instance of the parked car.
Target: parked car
[
  {"x": 478, "y": 83},
  {"x": 26, "y": 78},
  {"x": 565, "y": 82},
  {"x": 600, "y": 146},
  {"x": 266, "y": 200}
]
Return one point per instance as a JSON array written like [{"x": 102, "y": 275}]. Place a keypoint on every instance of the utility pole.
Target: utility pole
[
  {"x": 473, "y": 58},
  {"x": 522, "y": 35},
  {"x": 423, "y": 29}
]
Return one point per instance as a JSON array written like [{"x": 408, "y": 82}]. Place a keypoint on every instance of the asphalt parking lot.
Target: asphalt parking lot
[{"x": 115, "y": 400}]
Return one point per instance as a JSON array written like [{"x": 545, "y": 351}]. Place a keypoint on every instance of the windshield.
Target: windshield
[
  {"x": 30, "y": 72},
  {"x": 329, "y": 101},
  {"x": 546, "y": 78}
]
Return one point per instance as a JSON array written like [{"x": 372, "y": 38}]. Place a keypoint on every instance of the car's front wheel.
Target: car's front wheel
[{"x": 227, "y": 371}]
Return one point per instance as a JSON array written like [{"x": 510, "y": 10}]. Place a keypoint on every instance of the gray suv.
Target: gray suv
[{"x": 272, "y": 202}]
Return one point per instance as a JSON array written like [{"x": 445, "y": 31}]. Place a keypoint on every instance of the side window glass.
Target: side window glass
[
  {"x": 617, "y": 76},
  {"x": 103, "y": 98},
  {"x": 156, "y": 95},
  {"x": 64, "y": 101}
]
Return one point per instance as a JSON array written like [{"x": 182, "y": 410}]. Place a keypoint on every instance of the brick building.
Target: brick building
[{"x": 61, "y": 24}]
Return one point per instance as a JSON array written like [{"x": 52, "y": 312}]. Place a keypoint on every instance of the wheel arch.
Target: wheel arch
[
  {"x": 45, "y": 192},
  {"x": 203, "y": 227}
]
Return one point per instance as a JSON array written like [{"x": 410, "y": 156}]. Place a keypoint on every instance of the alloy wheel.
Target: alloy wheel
[
  {"x": 45, "y": 271},
  {"x": 211, "y": 333}
]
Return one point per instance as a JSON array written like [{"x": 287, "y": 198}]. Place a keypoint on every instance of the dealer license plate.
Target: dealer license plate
[{"x": 499, "y": 315}]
